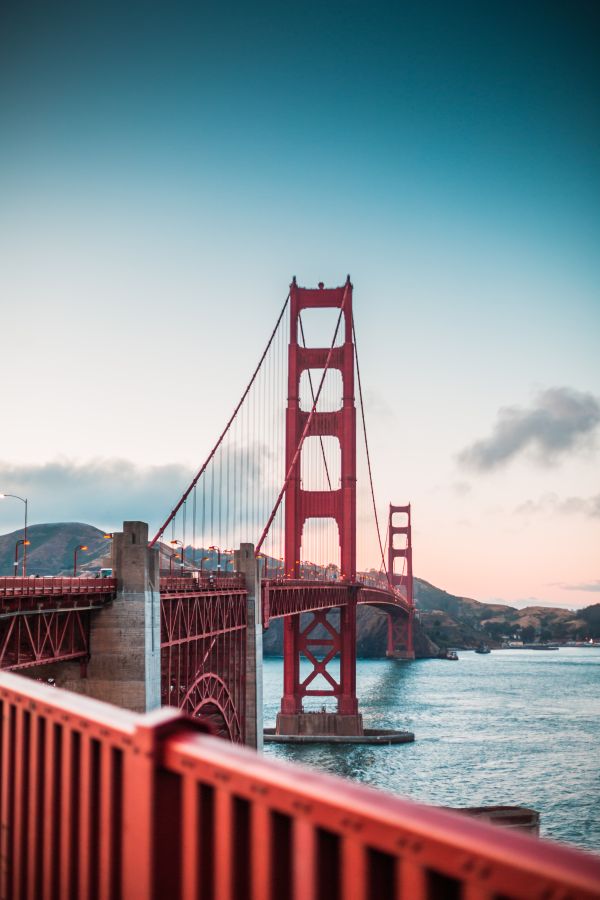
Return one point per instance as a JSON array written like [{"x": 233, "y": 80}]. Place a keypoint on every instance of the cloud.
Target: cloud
[
  {"x": 105, "y": 492},
  {"x": 461, "y": 488},
  {"x": 550, "y": 504},
  {"x": 560, "y": 420},
  {"x": 101, "y": 492},
  {"x": 593, "y": 586}
]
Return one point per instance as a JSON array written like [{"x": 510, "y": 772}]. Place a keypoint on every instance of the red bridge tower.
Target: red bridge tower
[
  {"x": 339, "y": 504},
  {"x": 400, "y": 627}
]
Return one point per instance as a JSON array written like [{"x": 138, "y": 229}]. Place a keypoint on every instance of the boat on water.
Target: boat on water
[
  {"x": 540, "y": 647},
  {"x": 483, "y": 648},
  {"x": 449, "y": 654}
]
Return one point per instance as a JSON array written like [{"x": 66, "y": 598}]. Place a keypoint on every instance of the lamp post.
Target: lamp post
[
  {"x": 266, "y": 563},
  {"x": 75, "y": 552},
  {"x": 17, "y": 545},
  {"x": 25, "y": 541},
  {"x": 180, "y": 543},
  {"x": 218, "y": 551},
  {"x": 228, "y": 559},
  {"x": 202, "y": 561}
]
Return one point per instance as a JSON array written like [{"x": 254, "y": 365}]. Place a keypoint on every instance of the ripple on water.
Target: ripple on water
[{"x": 514, "y": 727}]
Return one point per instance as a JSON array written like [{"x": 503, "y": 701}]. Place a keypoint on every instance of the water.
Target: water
[{"x": 513, "y": 727}]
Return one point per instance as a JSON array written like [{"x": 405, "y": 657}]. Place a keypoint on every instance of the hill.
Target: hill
[
  {"x": 452, "y": 621},
  {"x": 51, "y": 549}
]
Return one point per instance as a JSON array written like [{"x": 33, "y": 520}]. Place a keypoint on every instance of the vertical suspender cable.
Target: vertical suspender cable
[
  {"x": 362, "y": 412},
  {"x": 225, "y": 430}
]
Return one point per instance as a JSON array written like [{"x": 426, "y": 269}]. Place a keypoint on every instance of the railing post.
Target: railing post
[{"x": 250, "y": 567}]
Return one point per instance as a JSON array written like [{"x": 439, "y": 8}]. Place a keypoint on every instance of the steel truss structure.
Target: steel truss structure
[
  {"x": 43, "y": 636},
  {"x": 47, "y": 620},
  {"x": 203, "y": 655}
]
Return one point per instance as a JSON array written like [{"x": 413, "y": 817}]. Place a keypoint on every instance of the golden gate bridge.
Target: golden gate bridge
[{"x": 97, "y": 802}]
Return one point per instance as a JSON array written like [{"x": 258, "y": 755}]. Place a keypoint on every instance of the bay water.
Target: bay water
[{"x": 518, "y": 727}]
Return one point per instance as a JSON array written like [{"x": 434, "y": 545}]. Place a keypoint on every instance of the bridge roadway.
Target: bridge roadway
[{"x": 44, "y": 620}]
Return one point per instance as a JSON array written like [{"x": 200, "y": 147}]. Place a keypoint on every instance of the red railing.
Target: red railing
[
  {"x": 287, "y": 597},
  {"x": 96, "y": 802},
  {"x": 207, "y": 582},
  {"x": 11, "y": 586}
]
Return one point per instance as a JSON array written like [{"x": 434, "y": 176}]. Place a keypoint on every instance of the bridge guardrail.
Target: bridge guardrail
[
  {"x": 49, "y": 586},
  {"x": 287, "y": 596},
  {"x": 196, "y": 583},
  {"x": 100, "y": 802}
]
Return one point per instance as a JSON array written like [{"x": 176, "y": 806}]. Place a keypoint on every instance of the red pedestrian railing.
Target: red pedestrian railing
[
  {"x": 11, "y": 586},
  {"x": 207, "y": 582},
  {"x": 96, "y": 802}
]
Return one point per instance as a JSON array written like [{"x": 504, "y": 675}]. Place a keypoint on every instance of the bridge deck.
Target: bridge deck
[
  {"x": 286, "y": 597},
  {"x": 51, "y": 586}
]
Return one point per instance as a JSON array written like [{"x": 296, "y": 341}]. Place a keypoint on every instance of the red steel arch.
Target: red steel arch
[{"x": 210, "y": 697}]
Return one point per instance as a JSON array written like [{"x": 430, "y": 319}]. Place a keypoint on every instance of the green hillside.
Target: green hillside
[{"x": 51, "y": 549}]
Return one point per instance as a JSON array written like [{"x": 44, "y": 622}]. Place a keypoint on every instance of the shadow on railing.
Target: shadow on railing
[{"x": 99, "y": 802}]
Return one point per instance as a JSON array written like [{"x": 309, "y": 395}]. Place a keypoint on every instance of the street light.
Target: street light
[
  {"x": 218, "y": 551},
  {"x": 202, "y": 561},
  {"x": 175, "y": 543},
  {"x": 17, "y": 545},
  {"x": 75, "y": 552},
  {"x": 230, "y": 560},
  {"x": 266, "y": 563},
  {"x": 26, "y": 542}
]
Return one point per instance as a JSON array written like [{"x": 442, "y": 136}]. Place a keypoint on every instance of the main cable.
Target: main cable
[
  {"x": 362, "y": 412},
  {"x": 184, "y": 497}
]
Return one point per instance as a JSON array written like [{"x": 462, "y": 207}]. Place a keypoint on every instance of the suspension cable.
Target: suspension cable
[
  {"x": 184, "y": 496},
  {"x": 362, "y": 412}
]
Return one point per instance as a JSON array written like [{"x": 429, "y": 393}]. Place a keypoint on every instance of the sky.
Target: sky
[{"x": 165, "y": 169}]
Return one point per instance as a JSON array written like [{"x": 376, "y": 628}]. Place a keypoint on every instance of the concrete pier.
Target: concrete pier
[
  {"x": 125, "y": 639},
  {"x": 383, "y": 736},
  {"x": 124, "y": 664},
  {"x": 250, "y": 567}
]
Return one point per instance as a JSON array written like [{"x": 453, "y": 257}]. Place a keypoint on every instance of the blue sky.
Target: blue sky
[{"x": 165, "y": 171}]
